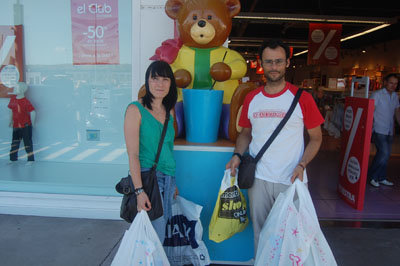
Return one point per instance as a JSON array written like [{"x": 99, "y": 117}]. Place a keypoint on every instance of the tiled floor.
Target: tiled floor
[{"x": 381, "y": 203}]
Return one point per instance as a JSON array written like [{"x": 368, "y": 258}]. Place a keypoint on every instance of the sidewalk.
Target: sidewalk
[
  {"x": 50, "y": 241},
  {"x": 47, "y": 241}
]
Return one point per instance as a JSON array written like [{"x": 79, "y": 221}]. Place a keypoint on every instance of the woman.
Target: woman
[{"x": 144, "y": 121}]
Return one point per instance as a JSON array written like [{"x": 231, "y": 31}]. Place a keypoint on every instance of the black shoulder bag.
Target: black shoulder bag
[
  {"x": 247, "y": 167},
  {"x": 150, "y": 186}
]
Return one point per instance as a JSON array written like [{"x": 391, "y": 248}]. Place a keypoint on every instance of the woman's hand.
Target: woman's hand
[
  {"x": 176, "y": 193},
  {"x": 143, "y": 202}
]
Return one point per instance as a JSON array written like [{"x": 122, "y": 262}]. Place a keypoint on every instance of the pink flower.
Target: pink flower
[{"x": 168, "y": 51}]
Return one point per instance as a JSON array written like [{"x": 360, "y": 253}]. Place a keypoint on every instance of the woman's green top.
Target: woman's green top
[{"x": 149, "y": 138}]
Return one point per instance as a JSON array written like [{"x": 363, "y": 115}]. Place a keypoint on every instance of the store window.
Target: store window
[{"x": 79, "y": 102}]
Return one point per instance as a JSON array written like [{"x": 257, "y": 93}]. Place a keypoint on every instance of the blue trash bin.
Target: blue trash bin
[{"x": 202, "y": 112}]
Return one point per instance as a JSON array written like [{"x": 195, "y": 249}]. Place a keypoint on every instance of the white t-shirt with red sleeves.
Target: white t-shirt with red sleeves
[{"x": 262, "y": 112}]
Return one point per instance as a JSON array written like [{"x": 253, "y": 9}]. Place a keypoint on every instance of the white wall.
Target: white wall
[{"x": 151, "y": 26}]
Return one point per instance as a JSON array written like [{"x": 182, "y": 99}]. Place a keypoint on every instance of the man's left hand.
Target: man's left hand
[{"x": 297, "y": 173}]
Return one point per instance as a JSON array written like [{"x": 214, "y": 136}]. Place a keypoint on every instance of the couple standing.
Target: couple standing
[{"x": 263, "y": 109}]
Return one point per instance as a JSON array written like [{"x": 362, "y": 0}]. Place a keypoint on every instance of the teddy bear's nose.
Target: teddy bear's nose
[{"x": 201, "y": 23}]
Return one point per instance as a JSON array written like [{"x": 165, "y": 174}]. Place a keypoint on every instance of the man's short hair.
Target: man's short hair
[
  {"x": 392, "y": 75},
  {"x": 273, "y": 44}
]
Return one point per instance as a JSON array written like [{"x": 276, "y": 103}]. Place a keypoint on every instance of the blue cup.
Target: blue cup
[{"x": 202, "y": 112}]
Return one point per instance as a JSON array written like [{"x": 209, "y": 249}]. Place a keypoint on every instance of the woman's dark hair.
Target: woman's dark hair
[
  {"x": 274, "y": 43},
  {"x": 160, "y": 69}
]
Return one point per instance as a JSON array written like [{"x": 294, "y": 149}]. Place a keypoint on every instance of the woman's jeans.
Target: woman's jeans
[
  {"x": 166, "y": 184},
  {"x": 378, "y": 169}
]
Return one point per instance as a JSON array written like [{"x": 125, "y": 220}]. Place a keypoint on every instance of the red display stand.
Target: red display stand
[{"x": 357, "y": 130}]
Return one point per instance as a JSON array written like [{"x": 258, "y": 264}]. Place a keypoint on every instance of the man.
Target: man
[
  {"x": 285, "y": 160},
  {"x": 386, "y": 106}
]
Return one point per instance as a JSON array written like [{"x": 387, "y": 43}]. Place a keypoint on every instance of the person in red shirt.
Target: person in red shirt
[
  {"x": 288, "y": 156},
  {"x": 22, "y": 117}
]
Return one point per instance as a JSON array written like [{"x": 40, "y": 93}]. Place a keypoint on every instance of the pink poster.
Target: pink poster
[
  {"x": 95, "y": 32},
  {"x": 11, "y": 58}
]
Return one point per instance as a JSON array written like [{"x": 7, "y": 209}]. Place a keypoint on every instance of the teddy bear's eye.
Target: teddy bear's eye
[
  {"x": 209, "y": 17},
  {"x": 194, "y": 17}
]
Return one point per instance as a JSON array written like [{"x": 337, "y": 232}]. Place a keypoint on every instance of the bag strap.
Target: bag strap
[
  {"x": 280, "y": 126},
  {"x": 164, "y": 131}
]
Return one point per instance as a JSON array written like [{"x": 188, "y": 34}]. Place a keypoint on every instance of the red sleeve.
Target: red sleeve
[
  {"x": 311, "y": 114},
  {"x": 11, "y": 103},
  {"x": 244, "y": 120}
]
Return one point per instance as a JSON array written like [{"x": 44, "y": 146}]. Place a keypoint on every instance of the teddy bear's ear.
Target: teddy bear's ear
[
  {"x": 233, "y": 7},
  {"x": 172, "y": 8}
]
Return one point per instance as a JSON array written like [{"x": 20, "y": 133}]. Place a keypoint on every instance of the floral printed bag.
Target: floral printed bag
[{"x": 291, "y": 235}]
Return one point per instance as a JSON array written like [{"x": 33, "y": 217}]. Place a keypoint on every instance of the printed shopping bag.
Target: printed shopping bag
[
  {"x": 140, "y": 245},
  {"x": 230, "y": 211},
  {"x": 291, "y": 235},
  {"x": 183, "y": 242}
]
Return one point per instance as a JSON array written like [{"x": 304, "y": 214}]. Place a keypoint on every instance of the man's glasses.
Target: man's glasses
[{"x": 278, "y": 62}]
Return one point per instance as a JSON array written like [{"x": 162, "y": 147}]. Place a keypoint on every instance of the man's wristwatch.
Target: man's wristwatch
[
  {"x": 238, "y": 155},
  {"x": 139, "y": 190}
]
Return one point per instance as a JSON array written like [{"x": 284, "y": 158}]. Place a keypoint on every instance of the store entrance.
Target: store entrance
[{"x": 382, "y": 204}]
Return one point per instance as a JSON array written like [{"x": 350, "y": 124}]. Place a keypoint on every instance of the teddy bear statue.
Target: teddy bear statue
[{"x": 199, "y": 59}]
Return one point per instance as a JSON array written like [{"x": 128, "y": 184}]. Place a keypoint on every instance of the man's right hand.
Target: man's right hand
[
  {"x": 233, "y": 164},
  {"x": 143, "y": 202}
]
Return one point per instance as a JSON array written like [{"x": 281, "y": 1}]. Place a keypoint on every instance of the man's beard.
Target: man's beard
[{"x": 276, "y": 79}]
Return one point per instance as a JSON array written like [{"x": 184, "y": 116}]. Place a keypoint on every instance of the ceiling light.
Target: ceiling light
[
  {"x": 353, "y": 36},
  {"x": 365, "y": 32},
  {"x": 312, "y": 18},
  {"x": 299, "y": 53}
]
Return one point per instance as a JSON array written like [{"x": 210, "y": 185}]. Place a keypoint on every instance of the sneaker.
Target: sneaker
[
  {"x": 386, "y": 182},
  {"x": 374, "y": 183}
]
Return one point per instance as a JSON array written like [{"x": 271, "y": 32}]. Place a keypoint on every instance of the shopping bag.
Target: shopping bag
[
  {"x": 183, "y": 242},
  {"x": 291, "y": 235},
  {"x": 230, "y": 211},
  {"x": 140, "y": 245}
]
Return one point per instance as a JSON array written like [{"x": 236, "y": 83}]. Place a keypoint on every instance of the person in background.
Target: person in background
[
  {"x": 144, "y": 121},
  {"x": 387, "y": 108},
  {"x": 285, "y": 160},
  {"x": 21, "y": 120}
]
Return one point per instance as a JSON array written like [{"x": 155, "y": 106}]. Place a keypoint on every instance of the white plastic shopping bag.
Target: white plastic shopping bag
[
  {"x": 183, "y": 242},
  {"x": 291, "y": 235},
  {"x": 140, "y": 245}
]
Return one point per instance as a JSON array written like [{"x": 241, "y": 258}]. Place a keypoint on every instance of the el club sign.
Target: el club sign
[{"x": 95, "y": 38}]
